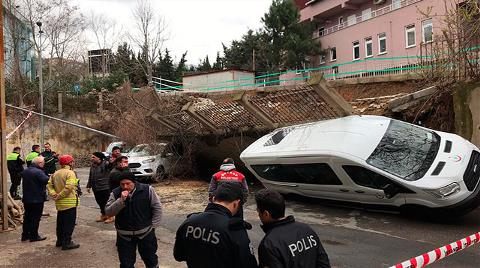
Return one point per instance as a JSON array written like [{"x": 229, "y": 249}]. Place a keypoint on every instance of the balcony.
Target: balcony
[{"x": 361, "y": 18}]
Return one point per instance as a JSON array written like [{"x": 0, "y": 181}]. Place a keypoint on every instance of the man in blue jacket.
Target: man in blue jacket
[{"x": 34, "y": 186}]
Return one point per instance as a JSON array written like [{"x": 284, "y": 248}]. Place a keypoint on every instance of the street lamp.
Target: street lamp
[{"x": 40, "y": 84}]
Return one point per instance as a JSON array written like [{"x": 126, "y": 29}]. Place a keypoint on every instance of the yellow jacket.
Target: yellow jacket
[{"x": 64, "y": 182}]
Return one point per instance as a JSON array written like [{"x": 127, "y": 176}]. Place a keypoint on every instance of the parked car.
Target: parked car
[
  {"x": 370, "y": 160},
  {"x": 149, "y": 161},
  {"x": 125, "y": 147}
]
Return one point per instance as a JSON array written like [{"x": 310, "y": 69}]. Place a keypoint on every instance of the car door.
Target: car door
[
  {"x": 312, "y": 177},
  {"x": 369, "y": 186}
]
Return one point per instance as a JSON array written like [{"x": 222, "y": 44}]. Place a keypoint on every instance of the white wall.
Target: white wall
[{"x": 227, "y": 80}]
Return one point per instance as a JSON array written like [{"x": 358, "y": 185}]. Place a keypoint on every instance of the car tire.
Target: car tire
[{"x": 160, "y": 174}]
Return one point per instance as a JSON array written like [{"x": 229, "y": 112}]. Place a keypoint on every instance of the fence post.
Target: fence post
[{"x": 60, "y": 102}]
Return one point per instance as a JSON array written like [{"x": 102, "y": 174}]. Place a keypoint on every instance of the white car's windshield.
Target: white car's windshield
[
  {"x": 125, "y": 147},
  {"x": 146, "y": 150},
  {"x": 406, "y": 151}
]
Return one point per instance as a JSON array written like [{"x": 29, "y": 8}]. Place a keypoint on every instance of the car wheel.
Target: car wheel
[{"x": 160, "y": 174}]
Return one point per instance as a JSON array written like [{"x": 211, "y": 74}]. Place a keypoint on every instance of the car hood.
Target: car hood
[{"x": 456, "y": 162}]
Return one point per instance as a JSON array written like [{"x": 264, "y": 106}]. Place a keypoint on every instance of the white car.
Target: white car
[
  {"x": 370, "y": 160},
  {"x": 124, "y": 147},
  {"x": 147, "y": 161}
]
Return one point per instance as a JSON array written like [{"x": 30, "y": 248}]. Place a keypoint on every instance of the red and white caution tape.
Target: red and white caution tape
[
  {"x": 439, "y": 253},
  {"x": 15, "y": 130}
]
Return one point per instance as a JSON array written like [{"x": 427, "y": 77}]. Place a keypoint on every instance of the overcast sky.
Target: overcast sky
[{"x": 199, "y": 26}]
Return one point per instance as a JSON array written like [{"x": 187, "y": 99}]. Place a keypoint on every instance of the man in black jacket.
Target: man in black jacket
[
  {"x": 287, "y": 243},
  {"x": 98, "y": 180},
  {"x": 51, "y": 158},
  {"x": 34, "y": 186},
  {"x": 138, "y": 212},
  {"x": 213, "y": 239}
]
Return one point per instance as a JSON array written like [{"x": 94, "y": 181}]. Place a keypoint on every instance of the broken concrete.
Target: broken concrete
[{"x": 411, "y": 100}]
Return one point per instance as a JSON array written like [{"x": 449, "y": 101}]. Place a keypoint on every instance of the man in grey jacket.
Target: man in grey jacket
[{"x": 138, "y": 211}]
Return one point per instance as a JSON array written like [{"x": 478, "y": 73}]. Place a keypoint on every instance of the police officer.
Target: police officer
[
  {"x": 138, "y": 212},
  {"x": 214, "y": 238},
  {"x": 229, "y": 174},
  {"x": 34, "y": 153},
  {"x": 287, "y": 243},
  {"x": 15, "y": 168}
]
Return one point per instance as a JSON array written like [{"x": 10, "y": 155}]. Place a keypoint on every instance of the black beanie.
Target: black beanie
[
  {"x": 99, "y": 155},
  {"x": 125, "y": 175}
]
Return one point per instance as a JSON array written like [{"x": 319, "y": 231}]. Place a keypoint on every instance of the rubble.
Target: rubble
[{"x": 15, "y": 212}]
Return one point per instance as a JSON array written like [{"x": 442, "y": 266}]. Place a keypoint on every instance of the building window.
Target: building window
[
  {"x": 396, "y": 4},
  {"x": 321, "y": 31},
  {"x": 367, "y": 14},
  {"x": 333, "y": 54},
  {"x": 356, "y": 50},
  {"x": 351, "y": 20},
  {"x": 340, "y": 21},
  {"x": 322, "y": 59},
  {"x": 382, "y": 43},
  {"x": 410, "y": 36},
  {"x": 427, "y": 31},
  {"x": 368, "y": 47}
]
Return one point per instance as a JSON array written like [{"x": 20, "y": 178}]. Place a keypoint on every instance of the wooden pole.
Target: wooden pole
[{"x": 3, "y": 128}]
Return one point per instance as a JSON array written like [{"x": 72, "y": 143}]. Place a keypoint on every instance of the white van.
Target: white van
[{"x": 370, "y": 160}]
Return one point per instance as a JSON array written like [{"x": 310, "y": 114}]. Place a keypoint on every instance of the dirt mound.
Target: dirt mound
[{"x": 183, "y": 196}]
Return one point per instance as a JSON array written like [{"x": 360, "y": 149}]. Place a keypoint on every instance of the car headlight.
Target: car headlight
[
  {"x": 150, "y": 160},
  {"x": 445, "y": 191}
]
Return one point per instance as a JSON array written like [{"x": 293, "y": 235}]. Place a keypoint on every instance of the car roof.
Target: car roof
[{"x": 355, "y": 135}]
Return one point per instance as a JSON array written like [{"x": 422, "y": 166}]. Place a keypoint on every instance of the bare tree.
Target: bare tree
[
  {"x": 149, "y": 36},
  {"x": 106, "y": 35},
  {"x": 16, "y": 50},
  {"x": 64, "y": 25},
  {"x": 453, "y": 54}
]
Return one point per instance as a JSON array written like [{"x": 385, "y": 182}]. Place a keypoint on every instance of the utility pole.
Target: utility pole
[
  {"x": 3, "y": 127},
  {"x": 40, "y": 85}
]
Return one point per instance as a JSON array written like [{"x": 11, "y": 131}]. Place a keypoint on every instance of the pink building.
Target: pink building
[{"x": 372, "y": 35}]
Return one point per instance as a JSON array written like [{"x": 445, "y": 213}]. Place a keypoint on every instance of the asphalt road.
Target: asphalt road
[
  {"x": 359, "y": 238},
  {"x": 351, "y": 237}
]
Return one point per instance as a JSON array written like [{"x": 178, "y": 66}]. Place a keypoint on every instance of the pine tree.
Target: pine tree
[
  {"x": 181, "y": 67},
  {"x": 218, "y": 65}
]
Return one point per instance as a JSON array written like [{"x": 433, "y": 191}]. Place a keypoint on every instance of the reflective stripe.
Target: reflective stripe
[
  {"x": 138, "y": 232},
  {"x": 12, "y": 156},
  {"x": 31, "y": 156}
]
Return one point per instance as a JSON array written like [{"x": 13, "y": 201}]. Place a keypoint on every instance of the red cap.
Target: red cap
[{"x": 65, "y": 159}]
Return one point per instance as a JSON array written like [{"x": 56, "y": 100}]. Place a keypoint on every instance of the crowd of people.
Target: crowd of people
[{"x": 216, "y": 237}]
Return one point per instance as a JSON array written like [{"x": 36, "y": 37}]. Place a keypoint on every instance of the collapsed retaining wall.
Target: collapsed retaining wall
[{"x": 63, "y": 138}]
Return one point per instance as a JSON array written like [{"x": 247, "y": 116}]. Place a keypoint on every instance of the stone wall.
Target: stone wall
[
  {"x": 467, "y": 112},
  {"x": 65, "y": 139}
]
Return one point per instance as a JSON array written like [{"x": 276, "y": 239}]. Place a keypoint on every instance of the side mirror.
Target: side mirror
[{"x": 391, "y": 190}]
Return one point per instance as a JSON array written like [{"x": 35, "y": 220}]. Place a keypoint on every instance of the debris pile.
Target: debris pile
[{"x": 15, "y": 212}]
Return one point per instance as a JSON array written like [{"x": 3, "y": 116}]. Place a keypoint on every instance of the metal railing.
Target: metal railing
[{"x": 364, "y": 17}]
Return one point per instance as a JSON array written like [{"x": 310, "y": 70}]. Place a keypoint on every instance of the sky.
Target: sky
[{"x": 196, "y": 26}]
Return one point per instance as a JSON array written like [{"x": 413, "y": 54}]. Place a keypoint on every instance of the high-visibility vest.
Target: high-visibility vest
[
  {"x": 12, "y": 156},
  {"x": 31, "y": 156}
]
